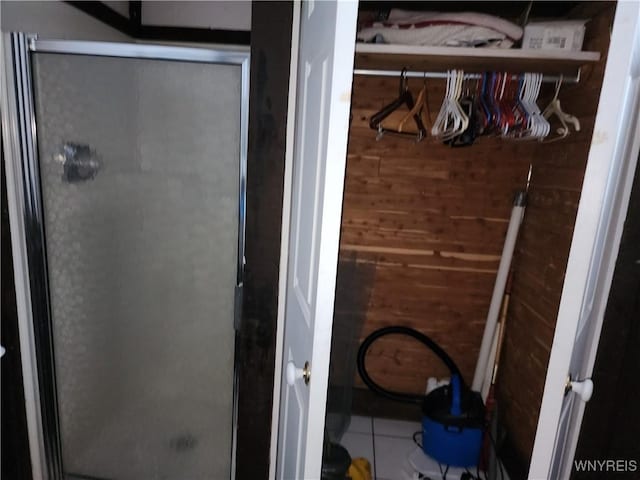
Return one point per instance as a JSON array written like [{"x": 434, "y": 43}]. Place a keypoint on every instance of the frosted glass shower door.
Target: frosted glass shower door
[{"x": 140, "y": 163}]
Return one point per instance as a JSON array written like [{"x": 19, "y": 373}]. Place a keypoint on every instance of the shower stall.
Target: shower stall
[{"x": 126, "y": 182}]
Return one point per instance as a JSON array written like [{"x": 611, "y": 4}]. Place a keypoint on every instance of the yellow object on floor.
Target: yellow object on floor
[{"x": 360, "y": 469}]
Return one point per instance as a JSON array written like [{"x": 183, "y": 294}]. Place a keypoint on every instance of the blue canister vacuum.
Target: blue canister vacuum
[{"x": 453, "y": 415}]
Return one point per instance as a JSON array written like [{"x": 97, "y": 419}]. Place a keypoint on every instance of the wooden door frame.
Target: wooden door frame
[{"x": 271, "y": 28}]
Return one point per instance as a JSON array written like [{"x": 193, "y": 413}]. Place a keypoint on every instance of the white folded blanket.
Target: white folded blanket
[{"x": 465, "y": 29}]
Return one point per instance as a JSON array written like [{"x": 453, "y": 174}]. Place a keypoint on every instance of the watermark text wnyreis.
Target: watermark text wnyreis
[{"x": 607, "y": 465}]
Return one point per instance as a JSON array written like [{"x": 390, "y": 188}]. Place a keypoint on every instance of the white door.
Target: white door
[
  {"x": 596, "y": 238},
  {"x": 325, "y": 72}
]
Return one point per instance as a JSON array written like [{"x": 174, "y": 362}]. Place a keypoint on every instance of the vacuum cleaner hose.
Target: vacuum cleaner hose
[{"x": 399, "y": 330}]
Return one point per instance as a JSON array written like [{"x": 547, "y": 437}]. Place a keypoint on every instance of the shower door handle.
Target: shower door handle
[{"x": 79, "y": 162}]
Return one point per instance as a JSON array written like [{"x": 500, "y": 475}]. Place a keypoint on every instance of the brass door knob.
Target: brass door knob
[{"x": 293, "y": 373}]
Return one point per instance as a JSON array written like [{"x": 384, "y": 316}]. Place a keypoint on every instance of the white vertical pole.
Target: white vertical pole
[{"x": 517, "y": 214}]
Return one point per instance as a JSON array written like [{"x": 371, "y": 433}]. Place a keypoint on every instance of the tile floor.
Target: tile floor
[{"x": 389, "y": 447}]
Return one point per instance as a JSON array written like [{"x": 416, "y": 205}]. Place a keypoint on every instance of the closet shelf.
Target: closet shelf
[{"x": 418, "y": 58}]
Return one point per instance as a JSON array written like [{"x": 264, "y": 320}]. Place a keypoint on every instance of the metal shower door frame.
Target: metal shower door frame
[{"x": 27, "y": 223}]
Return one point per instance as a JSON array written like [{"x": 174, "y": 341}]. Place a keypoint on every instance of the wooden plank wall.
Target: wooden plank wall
[
  {"x": 430, "y": 220},
  {"x": 543, "y": 249}
]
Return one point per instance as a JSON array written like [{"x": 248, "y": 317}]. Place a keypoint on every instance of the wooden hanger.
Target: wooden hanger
[
  {"x": 420, "y": 105},
  {"x": 404, "y": 99}
]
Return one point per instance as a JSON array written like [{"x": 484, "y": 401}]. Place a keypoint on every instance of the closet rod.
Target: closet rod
[{"x": 443, "y": 75}]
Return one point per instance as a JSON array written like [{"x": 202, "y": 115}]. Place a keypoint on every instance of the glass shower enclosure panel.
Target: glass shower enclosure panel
[{"x": 140, "y": 168}]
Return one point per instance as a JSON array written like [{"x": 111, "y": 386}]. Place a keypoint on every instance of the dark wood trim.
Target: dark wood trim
[
  {"x": 514, "y": 464},
  {"x": 269, "y": 86},
  {"x": 135, "y": 15},
  {"x": 105, "y": 14},
  {"x": 134, "y": 26},
  {"x": 189, "y": 34}
]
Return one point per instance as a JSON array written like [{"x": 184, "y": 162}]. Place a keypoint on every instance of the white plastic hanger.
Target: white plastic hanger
[
  {"x": 537, "y": 126},
  {"x": 541, "y": 125},
  {"x": 451, "y": 120},
  {"x": 554, "y": 108}
]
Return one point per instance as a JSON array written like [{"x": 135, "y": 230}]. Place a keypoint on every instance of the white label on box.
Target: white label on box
[{"x": 560, "y": 38}]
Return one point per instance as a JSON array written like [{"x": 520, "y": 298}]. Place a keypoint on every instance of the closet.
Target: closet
[{"x": 424, "y": 225}]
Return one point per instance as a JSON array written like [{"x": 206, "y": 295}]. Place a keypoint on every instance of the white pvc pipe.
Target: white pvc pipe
[
  {"x": 488, "y": 372},
  {"x": 517, "y": 214}
]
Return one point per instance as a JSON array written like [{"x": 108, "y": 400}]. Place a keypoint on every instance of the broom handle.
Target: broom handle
[
  {"x": 503, "y": 322},
  {"x": 496, "y": 346}
]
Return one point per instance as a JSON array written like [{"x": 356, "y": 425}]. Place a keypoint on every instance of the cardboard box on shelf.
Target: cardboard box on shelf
[{"x": 554, "y": 35}]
